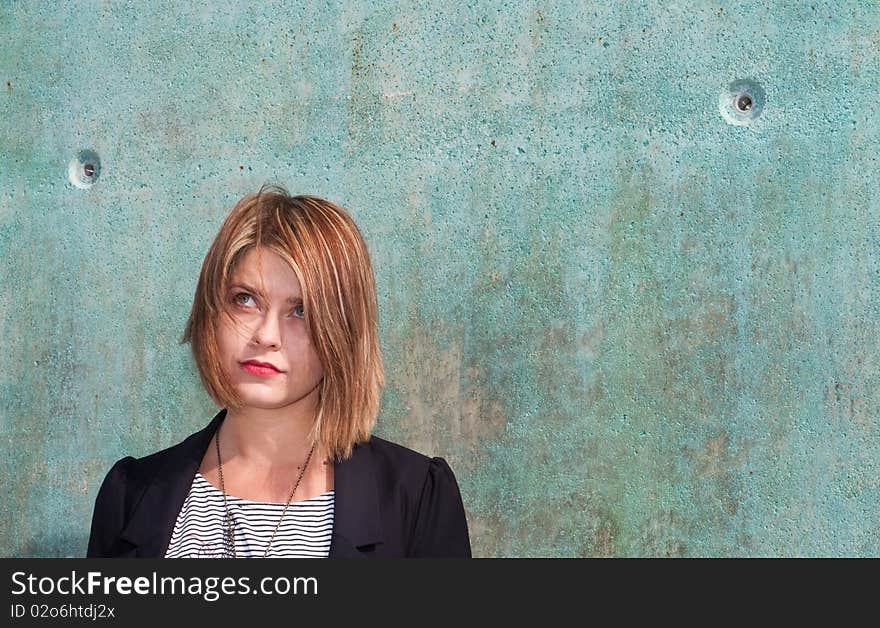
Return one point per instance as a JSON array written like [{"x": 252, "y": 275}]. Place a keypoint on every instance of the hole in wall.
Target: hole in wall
[
  {"x": 84, "y": 169},
  {"x": 741, "y": 102}
]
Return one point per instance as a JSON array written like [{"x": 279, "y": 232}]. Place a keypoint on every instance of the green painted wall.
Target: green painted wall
[{"x": 632, "y": 327}]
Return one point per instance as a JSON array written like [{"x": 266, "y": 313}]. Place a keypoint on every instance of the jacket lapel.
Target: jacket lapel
[{"x": 357, "y": 528}]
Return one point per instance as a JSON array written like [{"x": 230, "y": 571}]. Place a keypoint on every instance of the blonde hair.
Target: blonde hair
[{"x": 327, "y": 252}]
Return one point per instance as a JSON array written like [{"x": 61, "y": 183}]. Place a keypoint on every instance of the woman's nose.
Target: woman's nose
[{"x": 268, "y": 332}]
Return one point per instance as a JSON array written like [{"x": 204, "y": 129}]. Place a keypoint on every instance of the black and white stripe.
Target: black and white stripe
[{"x": 199, "y": 530}]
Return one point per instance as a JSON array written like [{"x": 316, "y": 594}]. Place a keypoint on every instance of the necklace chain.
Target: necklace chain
[{"x": 229, "y": 532}]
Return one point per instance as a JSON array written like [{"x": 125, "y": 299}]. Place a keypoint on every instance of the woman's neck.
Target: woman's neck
[{"x": 267, "y": 438}]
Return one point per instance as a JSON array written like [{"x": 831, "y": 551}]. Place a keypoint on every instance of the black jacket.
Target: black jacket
[{"x": 389, "y": 501}]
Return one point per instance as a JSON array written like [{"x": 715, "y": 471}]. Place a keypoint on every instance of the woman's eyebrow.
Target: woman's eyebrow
[{"x": 248, "y": 288}]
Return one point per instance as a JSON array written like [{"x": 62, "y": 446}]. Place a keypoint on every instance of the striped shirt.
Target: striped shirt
[{"x": 199, "y": 530}]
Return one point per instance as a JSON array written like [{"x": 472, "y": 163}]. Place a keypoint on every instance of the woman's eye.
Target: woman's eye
[
  {"x": 238, "y": 300},
  {"x": 242, "y": 297}
]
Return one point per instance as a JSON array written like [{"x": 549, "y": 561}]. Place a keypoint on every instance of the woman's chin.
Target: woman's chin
[{"x": 256, "y": 396}]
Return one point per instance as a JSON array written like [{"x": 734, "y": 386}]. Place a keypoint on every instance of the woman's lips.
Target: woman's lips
[{"x": 263, "y": 371}]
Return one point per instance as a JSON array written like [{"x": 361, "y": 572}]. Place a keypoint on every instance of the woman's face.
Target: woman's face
[{"x": 271, "y": 329}]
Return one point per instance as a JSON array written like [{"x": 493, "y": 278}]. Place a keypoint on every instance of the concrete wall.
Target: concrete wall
[{"x": 636, "y": 320}]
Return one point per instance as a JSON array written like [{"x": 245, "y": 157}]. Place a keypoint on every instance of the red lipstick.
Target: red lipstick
[{"x": 255, "y": 367}]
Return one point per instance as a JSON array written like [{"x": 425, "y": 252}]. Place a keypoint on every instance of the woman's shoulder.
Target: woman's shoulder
[
  {"x": 394, "y": 452},
  {"x": 393, "y": 460},
  {"x": 138, "y": 470},
  {"x": 394, "y": 455}
]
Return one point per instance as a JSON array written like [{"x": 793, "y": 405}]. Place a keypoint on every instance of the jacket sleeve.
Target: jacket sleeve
[
  {"x": 108, "y": 518},
  {"x": 441, "y": 525}
]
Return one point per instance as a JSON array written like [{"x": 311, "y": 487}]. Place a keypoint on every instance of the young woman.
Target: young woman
[{"x": 284, "y": 333}]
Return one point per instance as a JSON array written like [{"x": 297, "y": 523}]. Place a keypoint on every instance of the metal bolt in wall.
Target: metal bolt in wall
[
  {"x": 741, "y": 102},
  {"x": 84, "y": 169}
]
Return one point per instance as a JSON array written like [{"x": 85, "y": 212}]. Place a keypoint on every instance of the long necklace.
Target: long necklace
[{"x": 229, "y": 532}]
